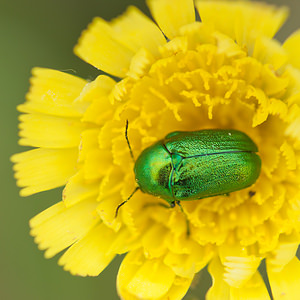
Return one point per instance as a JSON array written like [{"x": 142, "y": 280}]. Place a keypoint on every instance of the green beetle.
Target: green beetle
[{"x": 197, "y": 164}]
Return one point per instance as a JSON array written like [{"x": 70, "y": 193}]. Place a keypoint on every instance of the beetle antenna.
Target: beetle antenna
[
  {"x": 121, "y": 204},
  {"x": 128, "y": 143}
]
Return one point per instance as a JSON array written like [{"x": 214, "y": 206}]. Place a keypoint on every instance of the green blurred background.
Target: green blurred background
[{"x": 43, "y": 33}]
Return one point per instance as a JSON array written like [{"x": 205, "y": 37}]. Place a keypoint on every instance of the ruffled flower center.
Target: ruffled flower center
[{"x": 197, "y": 85}]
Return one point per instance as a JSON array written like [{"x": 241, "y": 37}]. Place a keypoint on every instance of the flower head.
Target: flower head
[{"x": 224, "y": 72}]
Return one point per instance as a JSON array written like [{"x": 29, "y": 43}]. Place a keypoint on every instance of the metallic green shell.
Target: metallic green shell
[{"x": 199, "y": 164}]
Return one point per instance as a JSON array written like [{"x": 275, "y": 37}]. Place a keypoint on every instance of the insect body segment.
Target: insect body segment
[{"x": 199, "y": 164}]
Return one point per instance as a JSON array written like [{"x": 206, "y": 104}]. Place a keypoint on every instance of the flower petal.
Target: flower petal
[
  {"x": 293, "y": 129},
  {"x": 89, "y": 142},
  {"x": 58, "y": 227},
  {"x": 291, "y": 45},
  {"x": 78, "y": 189},
  {"x": 99, "y": 45},
  {"x": 144, "y": 278},
  {"x": 96, "y": 95},
  {"x": 220, "y": 289},
  {"x": 136, "y": 31},
  {"x": 238, "y": 265},
  {"x": 154, "y": 240},
  {"x": 254, "y": 289},
  {"x": 282, "y": 256},
  {"x": 242, "y": 20},
  {"x": 238, "y": 270},
  {"x": 289, "y": 154},
  {"x": 96, "y": 162},
  {"x": 191, "y": 260},
  {"x": 171, "y": 15},
  {"x": 111, "y": 46},
  {"x": 140, "y": 65},
  {"x": 178, "y": 289},
  {"x": 39, "y": 130},
  {"x": 60, "y": 165},
  {"x": 98, "y": 88},
  {"x": 53, "y": 92},
  {"x": 90, "y": 255},
  {"x": 270, "y": 52},
  {"x": 285, "y": 284}
]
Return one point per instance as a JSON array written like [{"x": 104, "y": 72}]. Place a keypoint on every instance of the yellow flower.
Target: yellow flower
[{"x": 226, "y": 71}]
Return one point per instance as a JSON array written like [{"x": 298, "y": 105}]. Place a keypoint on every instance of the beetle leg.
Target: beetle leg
[
  {"x": 186, "y": 218},
  {"x": 172, "y": 204}
]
